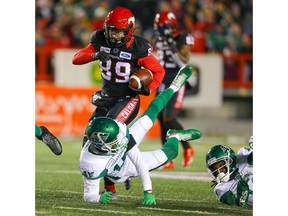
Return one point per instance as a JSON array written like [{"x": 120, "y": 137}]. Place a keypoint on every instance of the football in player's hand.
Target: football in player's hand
[{"x": 142, "y": 74}]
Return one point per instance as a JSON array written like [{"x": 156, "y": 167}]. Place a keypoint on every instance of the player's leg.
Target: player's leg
[
  {"x": 159, "y": 102},
  {"x": 43, "y": 134},
  {"x": 163, "y": 129},
  {"x": 147, "y": 119},
  {"x": 126, "y": 110},
  {"x": 168, "y": 116},
  {"x": 188, "y": 150},
  {"x": 169, "y": 151},
  {"x": 109, "y": 186},
  {"x": 180, "y": 135},
  {"x": 160, "y": 117}
]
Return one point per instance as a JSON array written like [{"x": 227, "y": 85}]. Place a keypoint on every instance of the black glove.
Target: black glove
[
  {"x": 101, "y": 55},
  {"x": 95, "y": 97},
  {"x": 143, "y": 90}
]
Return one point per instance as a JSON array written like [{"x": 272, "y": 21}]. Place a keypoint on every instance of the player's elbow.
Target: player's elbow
[{"x": 75, "y": 61}]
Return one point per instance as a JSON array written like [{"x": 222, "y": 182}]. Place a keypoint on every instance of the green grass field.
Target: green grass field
[{"x": 59, "y": 186}]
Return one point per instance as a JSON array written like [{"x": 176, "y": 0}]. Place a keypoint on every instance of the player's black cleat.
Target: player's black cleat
[
  {"x": 128, "y": 183},
  {"x": 50, "y": 140}
]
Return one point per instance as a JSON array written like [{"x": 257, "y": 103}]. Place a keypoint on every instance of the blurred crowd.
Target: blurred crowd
[{"x": 222, "y": 26}]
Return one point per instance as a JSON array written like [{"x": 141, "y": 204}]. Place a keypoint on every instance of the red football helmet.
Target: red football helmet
[
  {"x": 119, "y": 19},
  {"x": 166, "y": 24}
]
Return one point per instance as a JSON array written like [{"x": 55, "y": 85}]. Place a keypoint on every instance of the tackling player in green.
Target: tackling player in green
[{"x": 112, "y": 148}]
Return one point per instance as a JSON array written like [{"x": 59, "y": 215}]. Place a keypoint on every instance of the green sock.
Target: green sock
[
  {"x": 158, "y": 103},
  {"x": 170, "y": 148},
  {"x": 37, "y": 131}
]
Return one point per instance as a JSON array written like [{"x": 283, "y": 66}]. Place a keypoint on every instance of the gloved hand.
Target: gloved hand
[
  {"x": 148, "y": 199},
  {"x": 105, "y": 197},
  {"x": 95, "y": 97},
  {"x": 101, "y": 55},
  {"x": 143, "y": 90}
]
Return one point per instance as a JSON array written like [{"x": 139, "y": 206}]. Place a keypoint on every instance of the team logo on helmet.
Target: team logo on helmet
[
  {"x": 99, "y": 137},
  {"x": 225, "y": 149},
  {"x": 131, "y": 19},
  {"x": 170, "y": 16}
]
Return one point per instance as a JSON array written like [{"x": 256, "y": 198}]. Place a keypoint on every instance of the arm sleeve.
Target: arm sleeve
[
  {"x": 240, "y": 198},
  {"x": 135, "y": 156},
  {"x": 84, "y": 55},
  {"x": 91, "y": 190},
  {"x": 184, "y": 41},
  {"x": 229, "y": 198},
  {"x": 151, "y": 63},
  {"x": 177, "y": 60}
]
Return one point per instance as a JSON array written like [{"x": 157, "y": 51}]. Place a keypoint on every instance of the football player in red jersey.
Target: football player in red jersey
[
  {"x": 173, "y": 51},
  {"x": 120, "y": 54}
]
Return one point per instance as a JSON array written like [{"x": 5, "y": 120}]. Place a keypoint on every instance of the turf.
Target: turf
[{"x": 59, "y": 187}]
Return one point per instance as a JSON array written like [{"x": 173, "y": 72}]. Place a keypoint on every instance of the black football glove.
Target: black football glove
[
  {"x": 143, "y": 90},
  {"x": 95, "y": 97},
  {"x": 101, "y": 55}
]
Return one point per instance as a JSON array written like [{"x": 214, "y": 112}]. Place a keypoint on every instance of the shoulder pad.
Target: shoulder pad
[
  {"x": 96, "y": 35},
  {"x": 184, "y": 39},
  {"x": 142, "y": 46}
]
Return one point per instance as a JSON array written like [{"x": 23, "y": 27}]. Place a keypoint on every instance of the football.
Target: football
[{"x": 142, "y": 74}]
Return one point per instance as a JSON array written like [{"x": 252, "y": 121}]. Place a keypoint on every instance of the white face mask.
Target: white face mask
[{"x": 222, "y": 177}]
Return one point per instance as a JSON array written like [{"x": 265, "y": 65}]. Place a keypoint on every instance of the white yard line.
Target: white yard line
[
  {"x": 137, "y": 197},
  {"x": 169, "y": 175},
  {"x": 182, "y": 175},
  {"x": 95, "y": 210},
  {"x": 131, "y": 197},
  {"x": 178, "y": 210}
]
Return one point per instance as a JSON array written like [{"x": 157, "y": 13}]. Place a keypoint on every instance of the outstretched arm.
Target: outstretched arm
[
  {"x": 91, "y": 190},
  {"x": 84, "y": 55},
  {"x": 239, "y": 198},
  {"x": 135, "y": 156}
]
